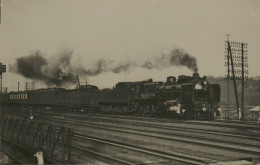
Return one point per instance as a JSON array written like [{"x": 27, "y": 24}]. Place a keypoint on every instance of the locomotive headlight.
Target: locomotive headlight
[
  {"x": 204, "y": 109},
  {"x": 198, "y": 86},
  {"x": 205, "y": 82}
]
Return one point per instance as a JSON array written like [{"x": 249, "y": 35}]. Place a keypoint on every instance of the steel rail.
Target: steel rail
[
  {"x": 206, "y": 140},
  {"x": 178, "y": 157}
]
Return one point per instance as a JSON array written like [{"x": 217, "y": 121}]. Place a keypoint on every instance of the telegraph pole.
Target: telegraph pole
[
  {"x": 243, "y": 80},
  {"x": 236, "y": 53},
  {"x": 125, "y": 75},
  {"x": 244, "y": 65},
  {"x": 233, "y": 77},
  {"x": 2, "y": 70},
  {"x": 228, "y": 74}
]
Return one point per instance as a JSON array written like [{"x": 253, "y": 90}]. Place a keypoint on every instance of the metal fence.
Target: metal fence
[{"x": 232, "y": 114}]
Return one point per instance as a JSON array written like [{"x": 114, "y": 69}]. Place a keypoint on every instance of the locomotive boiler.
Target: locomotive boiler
[{"x": 188, "y": 97}]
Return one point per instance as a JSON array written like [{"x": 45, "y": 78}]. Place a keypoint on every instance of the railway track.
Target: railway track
[
  {"x": 168, "y": 158},
  {"x": 183, "y": 127},
  {"x": 81, "y": 142},
  {"x": 161, "y": 130},
  {"x": 219, "y": 123},
  {"x": 234, "y": 146},
  {"x": 244, "y": 145},
  {"x": 203, "y": 126}
]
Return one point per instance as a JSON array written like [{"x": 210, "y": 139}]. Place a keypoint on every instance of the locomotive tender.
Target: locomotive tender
[{"x": 189, "y": 97}]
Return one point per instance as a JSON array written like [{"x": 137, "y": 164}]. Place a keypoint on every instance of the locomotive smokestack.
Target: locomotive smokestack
[{"x": 196, "y": 75}]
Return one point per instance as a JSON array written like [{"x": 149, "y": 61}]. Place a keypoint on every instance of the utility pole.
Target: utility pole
[
  {"x": 125, "y": 75},
  {"x": 243, "y": 80},
  {"x": 228, "y": 74},
  {"x": 244, "y": 65},
  {"x": 2, "y": 70},
  {"x": 237, "y": 53},
  {"x": 233, "y": 77},
  {"x": 18, "y": 86},
  {"x": 77, "y": 81}
]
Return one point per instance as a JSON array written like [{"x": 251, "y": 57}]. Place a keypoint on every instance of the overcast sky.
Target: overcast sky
[{"x": 129, "y": 30}]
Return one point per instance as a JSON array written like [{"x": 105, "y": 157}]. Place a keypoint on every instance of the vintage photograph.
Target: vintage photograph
[{"x": 130, "y": 82}]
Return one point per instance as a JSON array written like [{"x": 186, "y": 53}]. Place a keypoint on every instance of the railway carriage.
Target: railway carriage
[
  {"x": 84, "y": 98},
  {"x": 17, "y": 97},
  {"x": 45, "y": 97}
]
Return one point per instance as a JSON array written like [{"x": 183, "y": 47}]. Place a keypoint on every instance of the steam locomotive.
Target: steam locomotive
[{"x": 191, "y": 97}]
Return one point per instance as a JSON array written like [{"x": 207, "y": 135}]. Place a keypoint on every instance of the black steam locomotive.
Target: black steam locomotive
[{"x": 189, "y": 97}]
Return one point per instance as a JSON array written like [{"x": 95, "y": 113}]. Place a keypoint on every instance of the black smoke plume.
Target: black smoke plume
[
  {"x": 58, "y": 71},
  {"x": 102, "y": 66},
  {"x": 36, "y": 67},
  {"x": 177, "y": 57}
]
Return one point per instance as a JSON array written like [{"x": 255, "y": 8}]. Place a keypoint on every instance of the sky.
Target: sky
[{"x": 128, "y": 30}]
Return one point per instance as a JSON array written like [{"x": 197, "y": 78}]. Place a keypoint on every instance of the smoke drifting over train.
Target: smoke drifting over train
[
  {"x": 102, "y": 66},
  {"x": 59, "y": 71},
  {"x": 36, "y": 67},
  {"x": 177, "y": 57}
]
